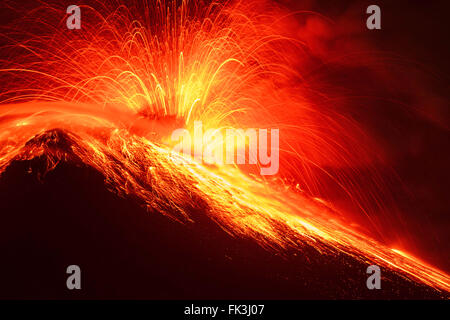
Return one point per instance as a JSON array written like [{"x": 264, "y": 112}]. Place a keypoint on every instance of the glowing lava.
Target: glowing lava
[{"x": 119, "y": 87}]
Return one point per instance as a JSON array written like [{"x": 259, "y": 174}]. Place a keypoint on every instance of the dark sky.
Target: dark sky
[{"x": 405, "y": 66}]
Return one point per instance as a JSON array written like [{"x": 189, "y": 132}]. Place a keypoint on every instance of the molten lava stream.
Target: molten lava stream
[{"x": 243, "y": 206}]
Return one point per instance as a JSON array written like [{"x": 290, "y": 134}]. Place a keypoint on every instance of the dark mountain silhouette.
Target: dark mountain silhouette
[{"x": 51, "y": 219}]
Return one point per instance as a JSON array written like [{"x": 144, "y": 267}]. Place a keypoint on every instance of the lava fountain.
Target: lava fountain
[{"x": 138, "y": 70}]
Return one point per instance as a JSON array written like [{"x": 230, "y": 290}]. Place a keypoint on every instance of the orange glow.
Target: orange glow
[{"x": 123, "y": 84}]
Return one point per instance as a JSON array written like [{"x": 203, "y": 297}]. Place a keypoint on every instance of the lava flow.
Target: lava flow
[{"x": 138, "y": 70}]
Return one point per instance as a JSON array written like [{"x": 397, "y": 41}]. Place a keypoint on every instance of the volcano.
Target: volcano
[
  {"x": 58, "y": 210},
  {"x": 90, "y": 174}
]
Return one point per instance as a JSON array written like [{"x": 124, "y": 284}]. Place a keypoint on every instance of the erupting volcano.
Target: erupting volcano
[{"x": 86, "y": 118}]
